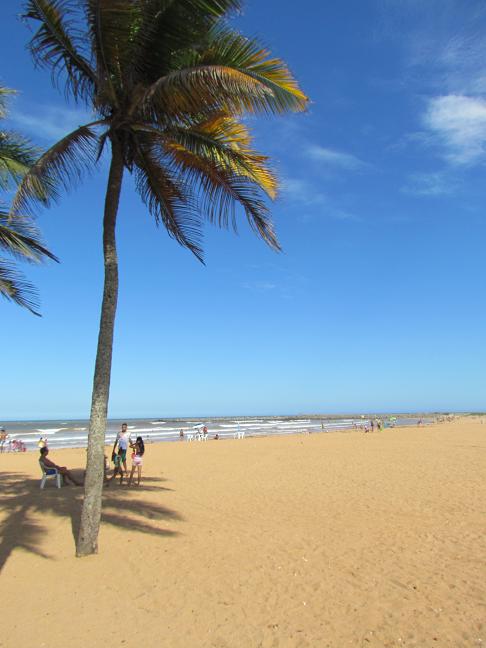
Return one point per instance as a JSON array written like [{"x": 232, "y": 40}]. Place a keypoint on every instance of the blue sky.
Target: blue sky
[{"x": 377, "y": 302}]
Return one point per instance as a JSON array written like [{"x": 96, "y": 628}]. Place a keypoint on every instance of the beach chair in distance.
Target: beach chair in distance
[
  {"x": 49, "y": 472},
  {"x": 190, "y": 436}
]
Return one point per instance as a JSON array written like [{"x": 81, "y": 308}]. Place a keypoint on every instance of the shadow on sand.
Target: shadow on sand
[{"x": 22, "y": 503}]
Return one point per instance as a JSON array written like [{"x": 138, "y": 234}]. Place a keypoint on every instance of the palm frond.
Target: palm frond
[
  {"x": 220, "y": 189},
  {"x": 231, "y": 49},
  {"x": 20, "y": 237},
  {"x": 226, "y": 142},
  {"x": 183, "y": 92},
  {"x": 62, "y": 165},
  {"x": 233, "y": 73},
  {"x": 17, "y": 155},
  {"x": 4, "y": 93},
  {"x": 15, "y": 288},
  {"x": 113, "y": 27},
  {"x": 222, "y": 141},
  {"x": 59, "y": 45},
  {"x": 167, "y": 198},
  {"x": 171, "y": 28}
]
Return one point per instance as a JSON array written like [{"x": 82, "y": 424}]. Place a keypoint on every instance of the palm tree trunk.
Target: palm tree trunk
[{"x": 91, "y": 514}]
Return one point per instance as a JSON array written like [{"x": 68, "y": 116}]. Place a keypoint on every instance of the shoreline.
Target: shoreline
[{"x": 74, "y": 433}]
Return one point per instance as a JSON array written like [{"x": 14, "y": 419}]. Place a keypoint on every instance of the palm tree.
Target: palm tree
[
  {"x": 19, "y": 236},
  {"x": 168, "y": 82}
]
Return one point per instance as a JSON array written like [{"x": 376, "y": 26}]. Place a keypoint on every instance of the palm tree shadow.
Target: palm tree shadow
[{"x": 21, "y": 502}]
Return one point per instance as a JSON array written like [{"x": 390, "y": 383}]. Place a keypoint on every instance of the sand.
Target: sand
[{"x": 322, "y": 540}]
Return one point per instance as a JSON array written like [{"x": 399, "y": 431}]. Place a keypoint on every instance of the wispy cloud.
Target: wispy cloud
[
  {"x": 305, "y": 193},
  {"x": 49, "y": 122},
  {"x": 302, "y": 191},
  {"x": 259, "y": 286},
  {"x": 459, "y": 124},
  {"x": 333, "y": 158},
  {"x": 429, "y": 184}
]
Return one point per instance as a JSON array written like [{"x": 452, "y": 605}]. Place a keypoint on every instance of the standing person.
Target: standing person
[
  {"x": 181, "y": 435},
  {"x": 372, "y": 425},
  {"x": 137, "y": 459},
  {"x": 122, "y": 440},
  {"x": 3, "y": 438}
]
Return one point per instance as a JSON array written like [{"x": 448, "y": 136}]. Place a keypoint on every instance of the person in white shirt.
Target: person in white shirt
[{"x": 122, "y": 441}]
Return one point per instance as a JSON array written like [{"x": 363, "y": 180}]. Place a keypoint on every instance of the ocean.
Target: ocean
[{"x": 74, "y": 434}]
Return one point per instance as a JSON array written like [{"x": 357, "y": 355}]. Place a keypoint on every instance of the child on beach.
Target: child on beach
[
  {"x": 117, "y": 458},
  {"x": 137, "y": 459}
]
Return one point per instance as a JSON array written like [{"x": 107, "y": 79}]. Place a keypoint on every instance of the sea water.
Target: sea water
[{"x": 74, "y": 434}]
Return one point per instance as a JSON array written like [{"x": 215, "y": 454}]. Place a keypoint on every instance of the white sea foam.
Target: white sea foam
[{"x": 51, "y": 430}]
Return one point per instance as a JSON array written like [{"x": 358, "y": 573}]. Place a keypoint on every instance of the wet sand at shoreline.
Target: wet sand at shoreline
[{"x": 322, "y": 540}]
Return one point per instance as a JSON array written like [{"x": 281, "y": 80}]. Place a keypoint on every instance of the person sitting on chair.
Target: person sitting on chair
[{"x": 50, "y": 465}]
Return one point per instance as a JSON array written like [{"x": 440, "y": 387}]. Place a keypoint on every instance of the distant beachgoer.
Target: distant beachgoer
[
  {"x": 50, "y": 465},
  {"x": 137, "y": 459},
  {"x": 17, "y": 445},
  {"x": 372, "y": 425},
  {"x": 216, "y": 437},
  {"x": 41, "y": 443},
  {"x": 205, "y": 430},
  {"x": 181, "y": 434},
  {"x": 3, "y": 438}
]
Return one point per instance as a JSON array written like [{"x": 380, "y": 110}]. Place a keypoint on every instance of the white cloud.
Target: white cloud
[
  {"x": 49, "y": 122},
  {"x": 459, "y": 124},
  {"x": 335, "y": 158}
]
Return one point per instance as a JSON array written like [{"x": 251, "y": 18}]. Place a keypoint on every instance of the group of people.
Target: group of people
[
  {"x": 12, "y": 445},
  {"x": 118, "y": 457}
]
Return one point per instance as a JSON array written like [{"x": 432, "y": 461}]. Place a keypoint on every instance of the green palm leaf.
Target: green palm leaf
[
  {"x": 168, "y": 200},
  {"x": 17, "y": 155},
  {"x": 14, "y": 287},
  {"x": 64, "y": 164},
  {"x": 21, "y": 238},
  {"x": 59, "y": 45}
]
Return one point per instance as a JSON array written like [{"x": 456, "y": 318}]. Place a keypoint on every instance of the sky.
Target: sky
[{"x": 377, "y": 302}]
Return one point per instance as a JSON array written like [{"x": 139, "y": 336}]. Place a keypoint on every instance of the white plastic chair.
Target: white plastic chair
[
  {"x": 45, "y": 475},
  {"x": 190, "y": 436}
]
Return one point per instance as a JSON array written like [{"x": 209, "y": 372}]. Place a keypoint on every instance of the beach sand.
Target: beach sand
[{"x": 322, "y": 540}]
